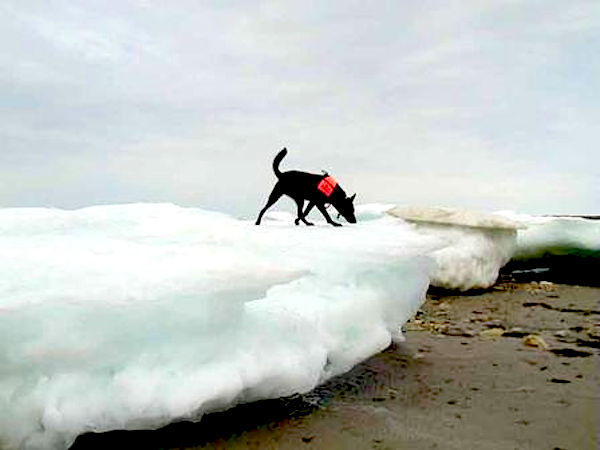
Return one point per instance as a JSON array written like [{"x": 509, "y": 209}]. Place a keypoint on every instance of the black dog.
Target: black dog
[{"x": 319, "y": 190}]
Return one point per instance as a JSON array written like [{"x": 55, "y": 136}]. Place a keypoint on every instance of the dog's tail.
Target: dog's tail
[{"x": 277, "y": 161}]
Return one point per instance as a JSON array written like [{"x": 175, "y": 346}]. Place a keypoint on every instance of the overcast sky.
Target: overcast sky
[{"x": 479, "y": 104}]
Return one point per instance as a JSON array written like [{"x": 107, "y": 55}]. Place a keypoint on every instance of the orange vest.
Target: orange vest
[{"x": 327, "y": 185}]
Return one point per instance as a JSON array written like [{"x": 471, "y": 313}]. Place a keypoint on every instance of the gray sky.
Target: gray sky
[{"x": 478, "y": 104}]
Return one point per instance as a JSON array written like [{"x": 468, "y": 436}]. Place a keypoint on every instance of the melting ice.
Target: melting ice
[{"x": 122, "y": 317}]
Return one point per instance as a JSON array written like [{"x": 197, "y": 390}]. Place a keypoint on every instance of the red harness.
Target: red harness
[{"x": 327, "y": 185}]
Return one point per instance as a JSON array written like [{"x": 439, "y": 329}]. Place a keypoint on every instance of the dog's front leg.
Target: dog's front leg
[
  {"x": 326, "y": 215},
  {"x": 302, "y": 215}
]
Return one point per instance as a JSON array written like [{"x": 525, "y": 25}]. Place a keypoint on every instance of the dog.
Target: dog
[{"x": 318, "y": 189}]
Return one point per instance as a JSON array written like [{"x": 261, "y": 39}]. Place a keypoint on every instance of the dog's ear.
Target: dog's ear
[{"x": 352, "y": 198}]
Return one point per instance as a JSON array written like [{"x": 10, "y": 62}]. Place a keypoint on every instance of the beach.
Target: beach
[{"x": 512, "y": 367}]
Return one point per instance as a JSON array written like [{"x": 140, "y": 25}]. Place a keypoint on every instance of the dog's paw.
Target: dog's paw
[{"x": 335, "y": 224}]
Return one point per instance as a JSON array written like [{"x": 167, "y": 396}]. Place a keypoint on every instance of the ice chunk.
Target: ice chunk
[
  {"x": 554, "y": 235},
  {"x": 478, "y": 244},
  {"x": 564, "y": 249},
  {"x": 132, "y": 316}
]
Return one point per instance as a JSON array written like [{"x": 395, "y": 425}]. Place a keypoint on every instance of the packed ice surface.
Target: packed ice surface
[
  {"x": 561, "y": 249},
  {"x": 479, "y": 244},
  {"x": 542, "y": 236},
  {"x": 127, "y": 317}
]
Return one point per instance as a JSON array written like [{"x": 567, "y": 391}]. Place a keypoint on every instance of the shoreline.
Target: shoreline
[{"x": 513, "y": 367}]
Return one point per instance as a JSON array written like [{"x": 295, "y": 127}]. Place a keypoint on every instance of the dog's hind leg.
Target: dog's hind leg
[
  {"x": 275, "y": 195},
  {"x": 302, "y": 215}
]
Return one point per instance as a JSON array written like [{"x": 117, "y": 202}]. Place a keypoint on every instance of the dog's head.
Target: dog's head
[{"x": 346, "y": 208}]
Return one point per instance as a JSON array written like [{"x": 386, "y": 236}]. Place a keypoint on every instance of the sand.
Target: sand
[{"x": 515, "y": 367}]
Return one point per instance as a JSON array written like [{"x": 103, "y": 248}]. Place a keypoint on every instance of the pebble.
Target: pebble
[
  {"x": 492, "y": 333},
  {"x": 533, "y": 340}
]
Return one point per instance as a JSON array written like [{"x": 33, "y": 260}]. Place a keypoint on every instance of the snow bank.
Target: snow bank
[
  {"x": 478, "y": 244},
  {"x": 122, "y": 317}
]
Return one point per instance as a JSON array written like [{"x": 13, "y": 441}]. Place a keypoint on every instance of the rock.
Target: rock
[
  {"x": 533, "y": 340},
  {"x": 562, "y": 333},
  {"x": 542, "y": 287},
  {"x": 492, "y": 333}
]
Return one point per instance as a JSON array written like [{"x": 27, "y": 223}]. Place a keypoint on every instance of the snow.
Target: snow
[{"x": 132, "y": 316}]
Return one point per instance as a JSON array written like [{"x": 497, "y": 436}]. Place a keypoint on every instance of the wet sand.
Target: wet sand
[{"x": 515, "y": 367}]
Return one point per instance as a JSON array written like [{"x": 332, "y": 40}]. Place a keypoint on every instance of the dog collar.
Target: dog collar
[{"x": 327, "y": 185}]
